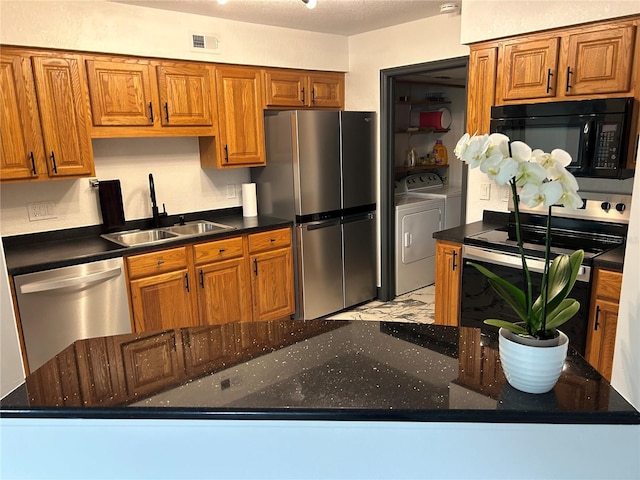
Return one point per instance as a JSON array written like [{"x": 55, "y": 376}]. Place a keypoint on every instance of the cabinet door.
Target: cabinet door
[
  {"x": 99, "y": 385},
  {"x": 482, "y": 88},
  {"x": 121, "y": 92},
  {"x": 63, "y": 115},
  {"x": 164, "y": 352},
  {"x": 286, "y": 89},
  {"x": 599, "y": 61},
  {"x": 327, "y": 90},
  {"x": 20, "y": 136},
  {"x": 448, "y": 283},
  {"x": 240, "y": 116},
  {"x": 529, "y": 69},
  {"x": 272, "y": 284},
  {"x": 163, "y": 301},
  {"x": 223, "y": 292},
  {"x": 186, "y": 94},
  {"x": 603, "y": 336},
  {"x": 207, "y": 349}
]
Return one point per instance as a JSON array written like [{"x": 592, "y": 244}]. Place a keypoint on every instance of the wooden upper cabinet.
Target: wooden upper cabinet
[
  {"x": 44, "y": 104},
  {"x": 482, "y": 88},
  {"x": 20, "y": 136},
  {"x": 327, "y": 90},
  {"x": 121, "y": 92},
  {"x": 587, "y": 61},
  {"x": 529, "y": 68},
  {"x": 302, "y": 89},
  {"x": 186, "y": 93},
  {"x": 241, "y": 138},
  {"x": 63, "y": 106},
  {"x": 599, "y": 61},
  {"x": 136, "y": 97}
]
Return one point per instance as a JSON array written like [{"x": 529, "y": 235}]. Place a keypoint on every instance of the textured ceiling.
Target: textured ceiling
[{"x": 341, "y": 17}]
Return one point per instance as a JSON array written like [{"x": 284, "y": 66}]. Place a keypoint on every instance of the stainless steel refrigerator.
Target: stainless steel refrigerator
[{"x": 320, "y": 173}]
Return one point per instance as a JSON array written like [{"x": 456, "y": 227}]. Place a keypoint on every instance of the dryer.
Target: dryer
[
  {"x": 417, "y": 218},
  {"x": 430, "y": 185}
]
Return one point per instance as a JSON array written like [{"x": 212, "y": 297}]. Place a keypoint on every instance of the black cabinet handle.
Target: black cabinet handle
[
  {"x": 221, "y": 250},
  {"x": 201, "y": 278},
  {"x": 303, "y": 95},
  {"x": 313, "y": 95},
  {"x": 454, "y": 265},
  {"x": 549, "y": 75},
  {"x": 226, "y": 153},
  {"x": 187, "y": 337},
  {"x": 255, "y": 266},
  {"x": 569, "y": 72},
  {"x": 186, "y": 282},
  {"x": 33, "y": 163},
  {"x": 53, "y": 162},
  {"x": 151, "y": 112},
  {"x": 595, "y": 327},
  {"x": 166, "y": 111}
]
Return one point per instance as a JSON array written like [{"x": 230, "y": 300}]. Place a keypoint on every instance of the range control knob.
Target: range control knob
[
  {"x": 620, "y": 207},
  {"x": 605, "y": 206}
]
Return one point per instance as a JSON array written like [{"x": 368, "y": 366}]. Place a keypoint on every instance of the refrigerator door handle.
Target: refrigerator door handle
[
  {"x": 357, "y": 218},
  {"x": 321, "y": 224}
]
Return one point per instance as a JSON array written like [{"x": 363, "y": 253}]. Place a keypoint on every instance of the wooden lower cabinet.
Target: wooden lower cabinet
[
  {"x": 603, "y": 320},
  {"x": 448, "y": 282},
  {"x": 271, "y": 261},
  {"x": 235, "y": 279}
]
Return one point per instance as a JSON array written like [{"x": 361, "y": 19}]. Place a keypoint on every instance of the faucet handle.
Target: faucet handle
[{"x": 164, "y": 212}]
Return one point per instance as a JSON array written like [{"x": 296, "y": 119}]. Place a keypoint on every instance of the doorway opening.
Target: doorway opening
[{"x": 420, "y": 104}]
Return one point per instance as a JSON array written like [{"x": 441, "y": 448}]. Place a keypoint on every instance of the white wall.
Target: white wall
[{"x": 489, "y": 19}]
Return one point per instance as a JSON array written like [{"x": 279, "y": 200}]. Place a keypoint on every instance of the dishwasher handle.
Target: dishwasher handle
[{"x": 57, "y": 284}]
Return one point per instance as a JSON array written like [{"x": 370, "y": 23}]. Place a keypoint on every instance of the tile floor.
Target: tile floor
[{"x": 415, "y": 307}]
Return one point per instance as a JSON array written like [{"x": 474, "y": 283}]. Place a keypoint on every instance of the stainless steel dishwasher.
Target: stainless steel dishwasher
[{"x": 58, "y": 307}]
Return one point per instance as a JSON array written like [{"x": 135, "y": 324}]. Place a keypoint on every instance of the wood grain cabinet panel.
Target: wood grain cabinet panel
[
  {"x": 599, "y": 61},
  {"x": 529, "y": 68},
  {"x": 45, "y": 119},
  {"x": 208, "y": 348},
  {"x": 448, "y": 282},
  {"x": 285, "y": 88},
  {"x": 327, "y": 90},
  {"x": 63, "y": 113},
  {"x": 482, "y": 87},
  {"x": 272, "y": 284},
  {"x": 603, "y": 320},
  {"x": 20, "y": 136},
  {"x": 121, "y": 92},
  {"x": 241, "y": 127}
]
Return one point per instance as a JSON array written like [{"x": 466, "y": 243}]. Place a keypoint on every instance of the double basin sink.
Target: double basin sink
[{"x": 152, "y": 236}]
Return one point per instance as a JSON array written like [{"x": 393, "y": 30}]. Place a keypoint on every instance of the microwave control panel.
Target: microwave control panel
[{"x": 607, "y": 154}]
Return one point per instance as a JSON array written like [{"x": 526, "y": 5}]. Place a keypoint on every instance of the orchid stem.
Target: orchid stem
[
  {"x": 527, "y": 275},
  {"x": 545, "y": 284}
]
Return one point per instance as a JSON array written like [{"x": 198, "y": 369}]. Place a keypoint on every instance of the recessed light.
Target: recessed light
[{"x": 448, "y": 8}]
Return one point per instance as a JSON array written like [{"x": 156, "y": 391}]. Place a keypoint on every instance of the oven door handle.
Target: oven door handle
[{"x": 511, "y": 260}]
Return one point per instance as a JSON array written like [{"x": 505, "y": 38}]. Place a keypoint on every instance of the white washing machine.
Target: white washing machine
[
  {"x": 417, "y": 218},
  {"x": 430, "y": 185}
]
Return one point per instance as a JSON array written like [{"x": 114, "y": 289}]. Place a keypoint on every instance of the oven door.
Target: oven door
[{"x": 479, "y": 301}]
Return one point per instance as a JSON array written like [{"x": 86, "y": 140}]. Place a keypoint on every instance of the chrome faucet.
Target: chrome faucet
[{"x": 154, "y": 204}]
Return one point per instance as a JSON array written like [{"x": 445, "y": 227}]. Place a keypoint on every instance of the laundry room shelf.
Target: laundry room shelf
[{"x": 419, "y": 168}]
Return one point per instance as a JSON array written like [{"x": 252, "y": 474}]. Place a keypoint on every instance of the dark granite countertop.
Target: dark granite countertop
[
  {"x": 612, "y": 260},
  {"x": 490, "y": 221},
  {"x": 307, "y": 370},
  {"x": 44, "y": 251}
]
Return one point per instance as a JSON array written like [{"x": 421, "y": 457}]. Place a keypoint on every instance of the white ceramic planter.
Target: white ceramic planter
[{"x": 532, "y": 369}]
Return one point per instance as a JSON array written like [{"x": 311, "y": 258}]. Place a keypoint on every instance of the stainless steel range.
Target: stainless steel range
[{"x": 598, "y": 227}]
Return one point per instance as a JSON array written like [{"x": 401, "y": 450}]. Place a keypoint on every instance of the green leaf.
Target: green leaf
[
  {"x": 563, "y": 272},
  {"x": 512, "y": 327},
  {"x": 509, "y": 292},
  {"x": 564, "y": 312}
]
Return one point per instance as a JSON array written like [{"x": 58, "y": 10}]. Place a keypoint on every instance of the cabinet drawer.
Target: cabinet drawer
[
  {"x": 608, "y": 284},
  {"x": 218, "y": 250},
  {"x": 156, "y": 262},
  {"x": 268, "y": 240}
]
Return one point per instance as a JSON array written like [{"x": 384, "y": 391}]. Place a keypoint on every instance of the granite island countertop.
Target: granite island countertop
[{"x": 307, "y": 370}]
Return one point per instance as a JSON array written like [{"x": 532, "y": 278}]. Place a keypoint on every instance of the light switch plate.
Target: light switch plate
[
  {"x": 231, "y": 190},
  {"x": 485, "y": 191}
]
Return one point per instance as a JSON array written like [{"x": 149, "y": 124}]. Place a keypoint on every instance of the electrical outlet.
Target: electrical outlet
[
  {"x": 231, "y": 190},
  {"x": 41, "y": 211},
  {"x": 485, "y": 191},
  {"x": 505, "y": 192}
]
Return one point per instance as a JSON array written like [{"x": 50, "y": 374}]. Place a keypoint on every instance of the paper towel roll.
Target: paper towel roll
[{"x": 249, "y": 201}]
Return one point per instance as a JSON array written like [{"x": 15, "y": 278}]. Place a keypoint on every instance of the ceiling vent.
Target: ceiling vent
[{"x": 205, "y": 42}]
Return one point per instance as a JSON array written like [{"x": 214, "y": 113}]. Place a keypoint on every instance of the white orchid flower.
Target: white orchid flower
[
  {"x": 571, "y": 199},
  {"x": 475, "y": 152},
  {"x": 560, "y": 174},
  {"x": 550, "y": 160},
  {"x": 498, "y": 144},
  {"x": 520, "y": 151},
  {"x": 530, "y": 172},
  {"x": 461, "y": 146},
  {"x": 548, "y": 193},
  {"x": 499, "y": 168}
]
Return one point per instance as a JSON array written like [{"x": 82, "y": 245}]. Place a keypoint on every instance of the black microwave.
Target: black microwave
[{"x": 594, "y": 132}]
